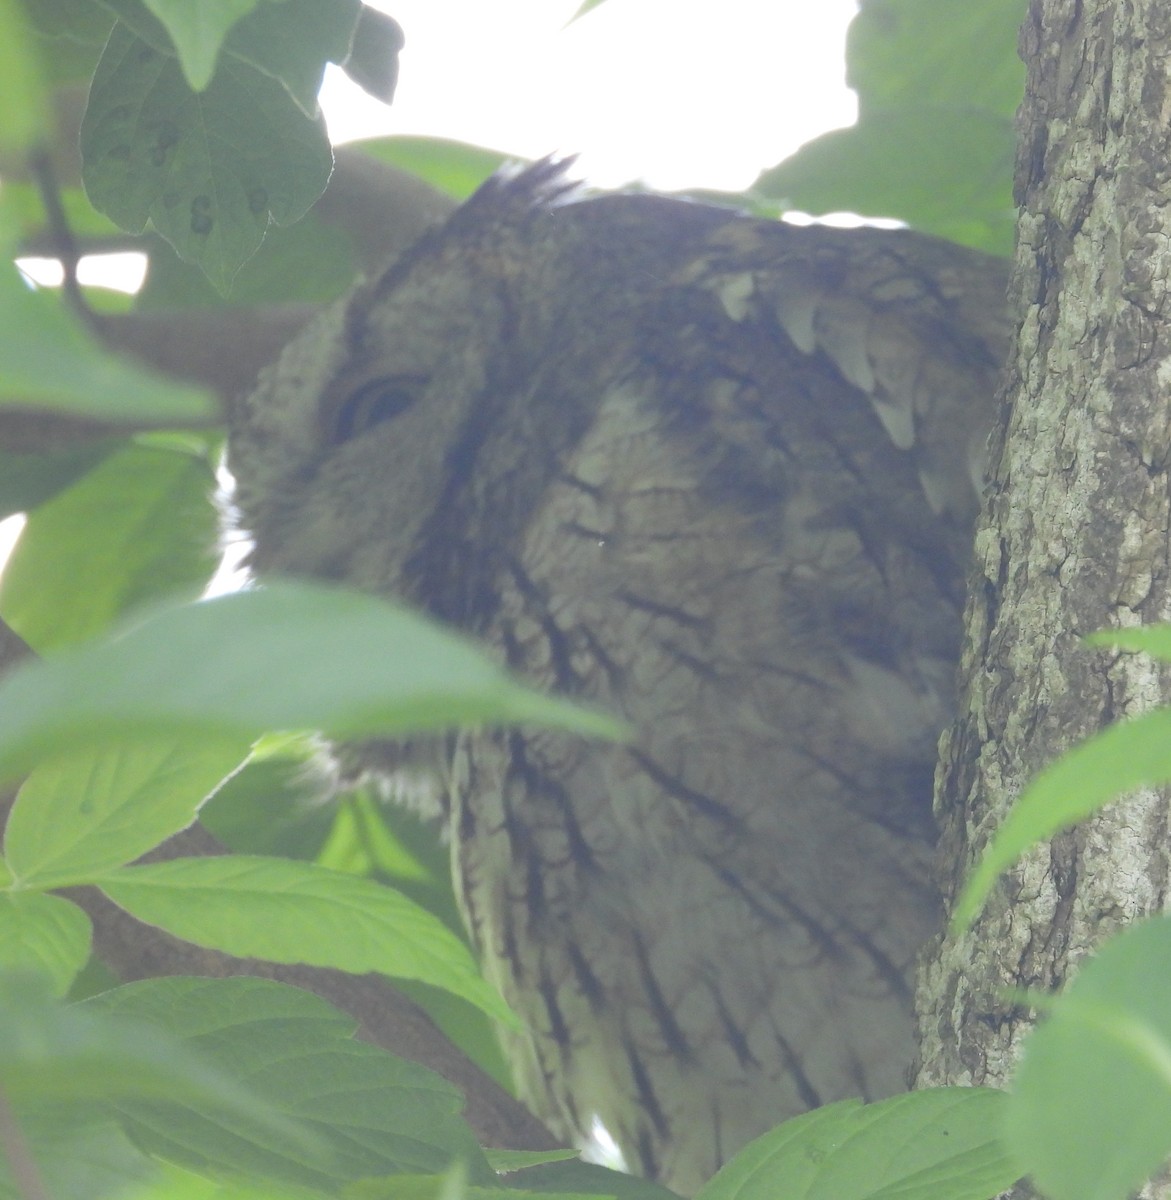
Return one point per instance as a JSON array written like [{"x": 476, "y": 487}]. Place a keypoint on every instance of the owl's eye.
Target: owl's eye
[{"x": 373, "y": 402}]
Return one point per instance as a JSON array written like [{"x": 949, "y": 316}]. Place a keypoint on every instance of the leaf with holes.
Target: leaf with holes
[{"x": 208, "y": 170}]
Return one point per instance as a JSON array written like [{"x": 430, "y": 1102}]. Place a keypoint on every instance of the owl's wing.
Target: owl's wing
[{"x": 755, "y": 555}]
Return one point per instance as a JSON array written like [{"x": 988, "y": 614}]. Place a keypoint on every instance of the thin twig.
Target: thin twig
[
  {"x": 25, "y": 1172},
  {"x": 40, "y": 168}
]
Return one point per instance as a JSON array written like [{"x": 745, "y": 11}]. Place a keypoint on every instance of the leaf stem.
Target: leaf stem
[{"x": 25, "y": 1172}]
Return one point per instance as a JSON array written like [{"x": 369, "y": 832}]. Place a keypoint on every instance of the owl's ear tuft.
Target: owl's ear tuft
[
  {"x": 487, "y": 227},
  {"x": 517, "y": 190}
]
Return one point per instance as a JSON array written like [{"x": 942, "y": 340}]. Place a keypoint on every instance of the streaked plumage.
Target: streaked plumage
[{"x": 717, "y": 474}]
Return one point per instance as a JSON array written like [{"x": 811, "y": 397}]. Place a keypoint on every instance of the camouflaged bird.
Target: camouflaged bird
[{"x": 717, "y": 475}]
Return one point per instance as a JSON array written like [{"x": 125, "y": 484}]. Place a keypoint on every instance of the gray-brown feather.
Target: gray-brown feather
[{"x": 717, "y": 474}]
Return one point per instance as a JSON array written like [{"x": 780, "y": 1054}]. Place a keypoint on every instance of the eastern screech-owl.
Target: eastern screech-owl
[{"x": 717, "y": 475}]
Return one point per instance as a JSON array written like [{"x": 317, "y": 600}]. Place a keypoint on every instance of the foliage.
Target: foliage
[
  {"x": 939, "y": 1142},
  {"x": 246, "y": 1088},
  {"x": 289, "y": 656},
  {"x": 1091, "y": 1106},
  {"x": 238, "y": 1077},
  {"x": 50, "y": 361},
  {"x": 937, "y": 85}
]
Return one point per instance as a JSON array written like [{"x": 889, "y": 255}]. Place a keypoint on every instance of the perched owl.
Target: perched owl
[{"x": 714, "y": 474}]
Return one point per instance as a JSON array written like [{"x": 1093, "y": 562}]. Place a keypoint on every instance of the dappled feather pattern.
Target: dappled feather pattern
[{"x": 717, "y": 475}]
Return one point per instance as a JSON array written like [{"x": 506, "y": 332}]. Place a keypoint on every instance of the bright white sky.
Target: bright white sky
[{"x": 678, "y": 93}]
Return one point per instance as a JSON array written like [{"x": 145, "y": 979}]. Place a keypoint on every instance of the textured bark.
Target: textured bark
[{"x": 1074, "y": 534}]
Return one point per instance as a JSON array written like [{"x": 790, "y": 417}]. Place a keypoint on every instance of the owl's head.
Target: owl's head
[
  {"x": 440, "y": 394},
  {"x": 354, "y": 435}
]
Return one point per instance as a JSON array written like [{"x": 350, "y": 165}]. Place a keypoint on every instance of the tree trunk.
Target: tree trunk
[{"x": 1074, "y": 533}]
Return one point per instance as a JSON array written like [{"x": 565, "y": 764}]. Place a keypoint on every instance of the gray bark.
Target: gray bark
[{"x": 1074, "y": 534}]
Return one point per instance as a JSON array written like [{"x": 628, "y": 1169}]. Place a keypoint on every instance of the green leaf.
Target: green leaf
[
  {"x": 310, "y": 262},
  {"x": 453, "y": 167},
  {"x": 109, "y": 1063},
  {"x": 937, "y": 54},
  {"x": 208, "y": 170},
  {"x": 1151, "y": 639},
  {"x": 72, "y": 34},
  {"x": 286, "y": 657},
  {"x": 451, "y": 1185},
  {"x": 276, "y": 805},
  {"x": 1126, "y": 756},
  {"x": 367, "y": 837},
  {"x": 47, "y": 361},
  {"x": 55, "y": 1067},
  {"x": 78, "y": 817},
  {"x": 172, "y": 1183},
  {"x": 400, "y": 848},
  {"x": 76, "y": 20},
  {"x": 575, "y": 1177},
  {"x": 51, "y": 1051},
  {"x": 468, "y": 1027},
  {"x": 376, "y": 1114},
  {"x": 919, "y": 1146},
  {"x": 946, "y": 171},
  {"x": 292, "y": 41},
  {"x": 140, "y": 527},
  {"x": 80, "y": 1150},
  {"x": 289, "y": 42},
  {"x": 445, "y": 1187},
  {"x": 23, "y": 96},
  {"x": 373, "y": 59},
  {"x": 93, "y": 978},
  {"x": 507, "y": 1161},
  {"x": 938, "y": 85},
  {"x": 1090, "y": 1112},
  {"x": 291, "y": 912},
  {"x": 45, "y": 934},
  {"x": 197, "y": 32},
  {"x": 27, "y": 480}
]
